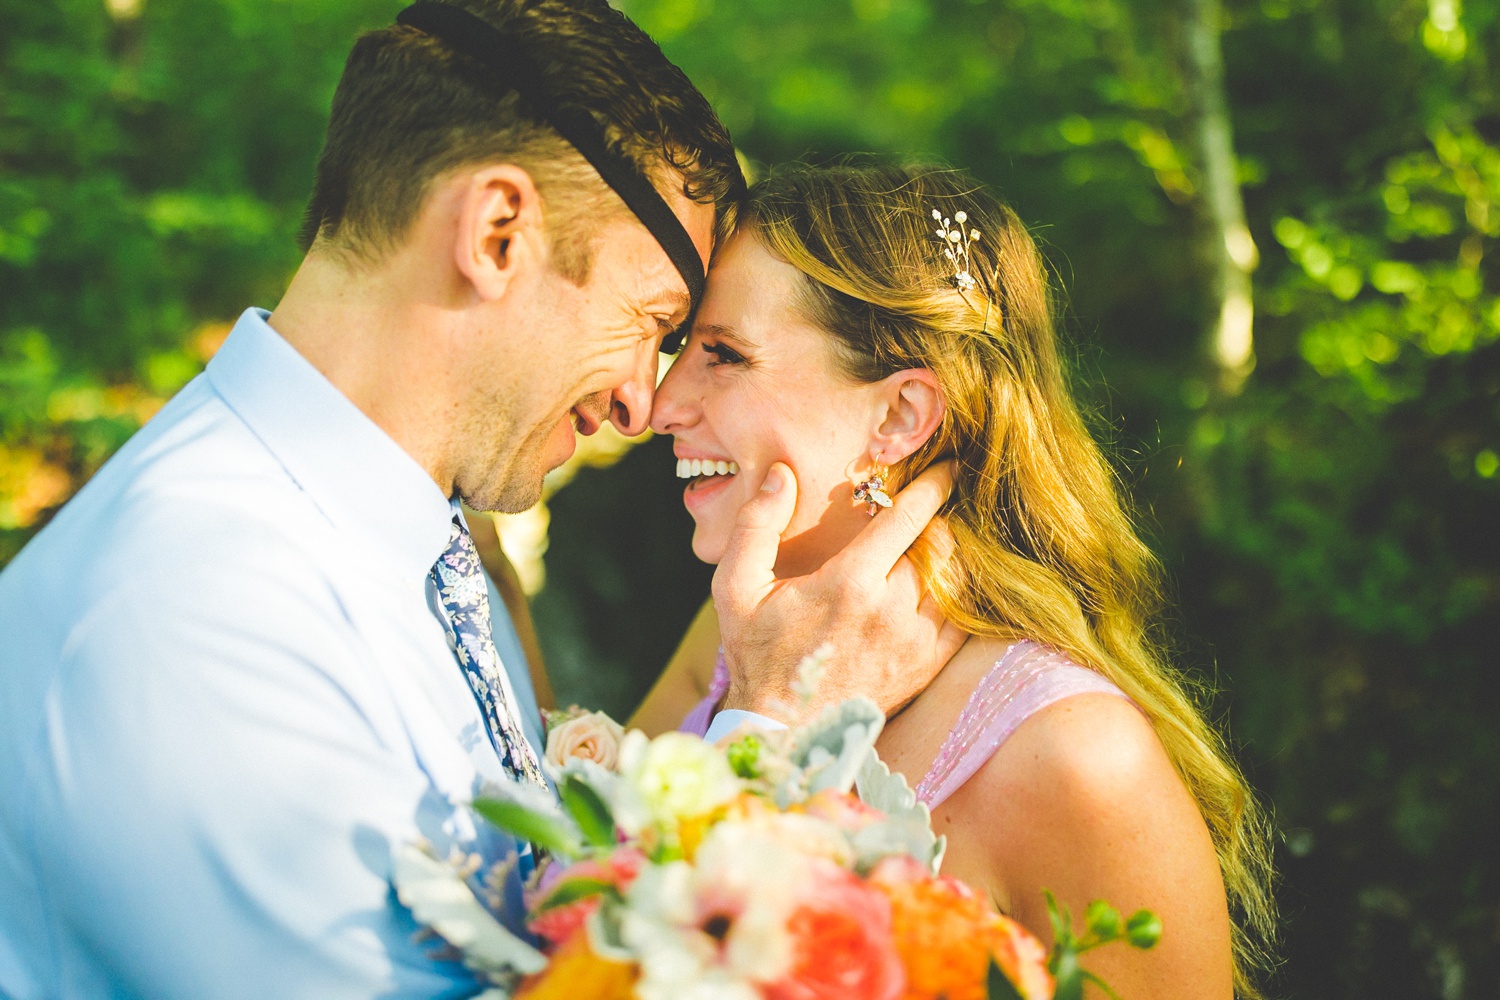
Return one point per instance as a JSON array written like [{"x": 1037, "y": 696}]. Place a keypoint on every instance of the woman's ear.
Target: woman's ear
[
  {"x": 499, "y": 228},
  {"x": 914, "y": 410}
]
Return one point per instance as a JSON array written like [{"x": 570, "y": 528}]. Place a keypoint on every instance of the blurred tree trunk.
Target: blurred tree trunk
[{"x": 1227, "y": 239}]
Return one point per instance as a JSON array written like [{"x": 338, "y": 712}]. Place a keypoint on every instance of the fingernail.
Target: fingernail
[{"x": 774, "y": 481}]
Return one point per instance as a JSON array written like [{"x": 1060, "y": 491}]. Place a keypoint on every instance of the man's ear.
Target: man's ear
[
  {"x": 499, "y": 229},
  {"x": 913, "y": 412}
]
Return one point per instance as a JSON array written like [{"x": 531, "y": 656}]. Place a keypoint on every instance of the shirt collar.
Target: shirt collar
[{"x": 356, "y": 474}]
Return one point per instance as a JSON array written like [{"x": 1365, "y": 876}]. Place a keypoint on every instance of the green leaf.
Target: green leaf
[
  {"x": 1067, "y": 974},
  {"x": 544, "y": 831},
  {"x": 1108, "y": 990},
  {"x": 588, "y": 810},
  {"x": 1143, "y": 929},
  {"x": 1062, "y": 920},
  {"x": 574, "y": 889},
  {"x": 998, "y": 985}
]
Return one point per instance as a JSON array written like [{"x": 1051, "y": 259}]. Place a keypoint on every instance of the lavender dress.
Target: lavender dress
[{"x": 1025, "y": 680}]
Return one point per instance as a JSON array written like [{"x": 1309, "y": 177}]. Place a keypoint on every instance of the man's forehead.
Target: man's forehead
[
  {"x": 698, "y": 218},
  {"x": 700, "y": 226},
  {"x": 699, "y": 221}
]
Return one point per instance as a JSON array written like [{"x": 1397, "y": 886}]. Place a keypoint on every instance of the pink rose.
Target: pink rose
[{"x": 593, "y": 736}]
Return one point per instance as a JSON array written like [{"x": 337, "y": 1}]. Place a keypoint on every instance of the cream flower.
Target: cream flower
[
  {"x": 593, "y": 736},
  {"x": 677, "y": 776}
]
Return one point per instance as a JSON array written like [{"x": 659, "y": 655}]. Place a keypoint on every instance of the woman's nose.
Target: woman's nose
[{"x": 672, "y": 410}]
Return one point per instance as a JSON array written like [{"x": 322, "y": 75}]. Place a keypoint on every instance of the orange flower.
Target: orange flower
[
  {"x": 575, "y": 971},
  {"x": 947, "y": 936},
  {"x": 842, "y": 940}
]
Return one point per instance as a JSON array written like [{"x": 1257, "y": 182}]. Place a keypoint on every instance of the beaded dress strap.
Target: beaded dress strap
[
  {"x": 1027, "y": 678},
  {"x": 697, "y": 720}
]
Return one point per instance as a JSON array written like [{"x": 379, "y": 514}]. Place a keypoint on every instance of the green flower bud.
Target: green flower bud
[
  {"x": 1143, "y": 929},
  {"x": 744, "y": 756},
  {"x": 1103, "y": 920}
]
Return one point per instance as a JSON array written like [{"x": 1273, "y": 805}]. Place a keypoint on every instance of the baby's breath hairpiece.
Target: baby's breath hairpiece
[
  {"x": 956, "y": 243},
  {"x": 958, "y": 239}
]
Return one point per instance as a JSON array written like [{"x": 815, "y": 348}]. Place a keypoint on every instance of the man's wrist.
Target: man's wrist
[
  {"x": 731, "y": 719},
  {"x": 738, "y": 698}
]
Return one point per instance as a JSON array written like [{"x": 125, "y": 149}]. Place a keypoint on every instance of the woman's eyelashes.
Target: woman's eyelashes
[{"x": 723, "y": 355}]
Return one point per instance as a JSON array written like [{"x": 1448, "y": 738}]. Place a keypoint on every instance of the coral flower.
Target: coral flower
[
  {"x": 560, "y": 923},
  {"x": 843, "y": 944},
  {"x": 843, "y": 810},
  {"x": 947, "y": 936}
]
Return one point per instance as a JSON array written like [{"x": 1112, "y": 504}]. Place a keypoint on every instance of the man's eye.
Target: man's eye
[
  {"x": 723, "y": 355},
  {"x": 672, "y": 336}
]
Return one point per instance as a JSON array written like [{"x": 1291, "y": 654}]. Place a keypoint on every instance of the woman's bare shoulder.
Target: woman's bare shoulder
[
  {"x": 1083, "y": 800},
  {"x": 1090, "y": 757},
  {"x": 1081, "y": 776}
]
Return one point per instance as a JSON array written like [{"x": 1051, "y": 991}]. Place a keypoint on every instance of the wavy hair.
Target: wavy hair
[{"x": 1045, "y": 546}]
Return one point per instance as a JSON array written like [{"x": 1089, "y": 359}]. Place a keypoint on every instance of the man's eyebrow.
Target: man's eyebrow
[{"x": 676, "y": 299}]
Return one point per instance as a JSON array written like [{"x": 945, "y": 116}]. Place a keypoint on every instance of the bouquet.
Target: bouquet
[{"x": 787, "y": 865}]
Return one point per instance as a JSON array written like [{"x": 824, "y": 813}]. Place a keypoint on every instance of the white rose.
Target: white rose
[{"x": 593, "y": 736}]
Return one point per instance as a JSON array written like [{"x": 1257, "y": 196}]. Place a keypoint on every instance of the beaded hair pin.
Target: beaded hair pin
[
  {"x": 956, "y": 243},
  {"x": 958, "y": 240}
]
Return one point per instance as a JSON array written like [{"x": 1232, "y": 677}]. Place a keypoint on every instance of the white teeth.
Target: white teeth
[{"x": 691, "y": 468}]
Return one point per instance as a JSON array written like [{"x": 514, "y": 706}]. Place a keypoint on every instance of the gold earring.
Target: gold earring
[{"x": 872, "y": 490}]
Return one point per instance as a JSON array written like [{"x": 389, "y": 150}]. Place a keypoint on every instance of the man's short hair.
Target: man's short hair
[{"x": 408, "y": 109}]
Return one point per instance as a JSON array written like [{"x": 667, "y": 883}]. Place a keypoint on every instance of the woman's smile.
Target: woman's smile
[
  {"x": 758, "y": 384},
  {"x": 707, "y": 477}
]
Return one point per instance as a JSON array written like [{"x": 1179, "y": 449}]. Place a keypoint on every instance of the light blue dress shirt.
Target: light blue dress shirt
[{"x": 224, "y": 693}]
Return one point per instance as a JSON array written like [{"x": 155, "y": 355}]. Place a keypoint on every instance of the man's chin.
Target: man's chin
[
  {"x": 522, "y": 488},
  {"x": 509, "y": 494},
  {"x": 512, "y": 498}
]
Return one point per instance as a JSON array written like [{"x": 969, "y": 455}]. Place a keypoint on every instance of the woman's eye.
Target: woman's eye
[{"x": 722, "y": 355}]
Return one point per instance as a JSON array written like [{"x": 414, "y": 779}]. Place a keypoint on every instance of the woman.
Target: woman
[{"x": 863, "y": 323}]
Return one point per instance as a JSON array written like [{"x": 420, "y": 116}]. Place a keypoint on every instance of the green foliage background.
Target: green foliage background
[{"x": 1332, "y": 526}]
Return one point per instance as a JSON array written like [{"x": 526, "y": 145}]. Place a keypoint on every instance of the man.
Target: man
[{"x": 254, "y": 652}]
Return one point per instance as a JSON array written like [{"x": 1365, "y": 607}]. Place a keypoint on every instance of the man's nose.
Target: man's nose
[{"x": 630, "y": 404}]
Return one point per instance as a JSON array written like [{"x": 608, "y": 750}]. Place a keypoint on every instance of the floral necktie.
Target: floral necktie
[{"x": 466, "y": 605}]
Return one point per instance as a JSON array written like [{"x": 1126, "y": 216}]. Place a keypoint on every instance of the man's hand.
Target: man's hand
[{"x": 888, "y": 637}]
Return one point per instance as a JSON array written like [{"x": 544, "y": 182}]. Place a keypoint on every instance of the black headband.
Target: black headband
[{"x": 503, "y": 56}]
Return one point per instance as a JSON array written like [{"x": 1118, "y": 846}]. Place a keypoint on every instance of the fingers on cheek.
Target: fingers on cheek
[
  {"x": 726, "y": 599},
  {"x": 906, "y": 523},
  {"x": 904, "y": 584},
  {"x": 937, "y": 538}
]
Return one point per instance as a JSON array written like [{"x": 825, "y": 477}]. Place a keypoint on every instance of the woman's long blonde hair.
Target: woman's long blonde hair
[{"x": 1045, "y": 547}]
